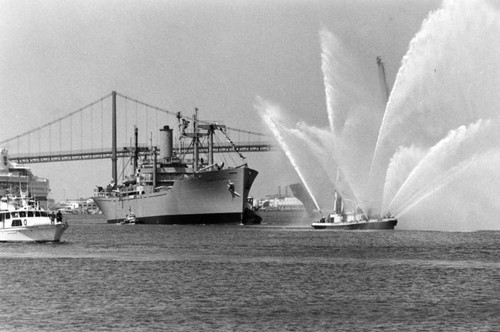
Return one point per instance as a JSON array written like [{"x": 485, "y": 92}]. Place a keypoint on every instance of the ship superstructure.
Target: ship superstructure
[{"x": 15, "y": 178}]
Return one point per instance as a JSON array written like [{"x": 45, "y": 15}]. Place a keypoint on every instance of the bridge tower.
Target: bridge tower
[{"x": 114, "y": 158}]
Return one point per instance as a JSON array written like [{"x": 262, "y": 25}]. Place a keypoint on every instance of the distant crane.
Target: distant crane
[{"x": 383, "y": 79}]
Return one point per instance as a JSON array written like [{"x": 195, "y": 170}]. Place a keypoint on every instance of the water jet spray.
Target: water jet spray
[{"x": 279, "y": 138}]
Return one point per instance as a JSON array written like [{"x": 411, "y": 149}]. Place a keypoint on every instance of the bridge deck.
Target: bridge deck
[{"x": 125, "y": 152}]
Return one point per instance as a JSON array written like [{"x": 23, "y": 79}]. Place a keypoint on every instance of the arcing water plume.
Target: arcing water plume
[
  {"x": 448, "y": 78},
  {"x": 400, "y": 167},
  {"x": 433, "y": 187},
  {"x": 267, "y": 110},
  {"x": 354, "y": 114},
  {"x": 318, "y": 142},
  {"x": 327, "y": 39},
  {"x": 465, "y": 199},
  {"x": 440, "y": 129},
  {"x": 462, "y": 144}
]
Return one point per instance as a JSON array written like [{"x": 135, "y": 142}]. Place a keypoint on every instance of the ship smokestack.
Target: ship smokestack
[{"x": 166, "y": 142}]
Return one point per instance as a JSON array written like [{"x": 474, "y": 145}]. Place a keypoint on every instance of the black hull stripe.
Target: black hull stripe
[{"x": 360, "y": 226}]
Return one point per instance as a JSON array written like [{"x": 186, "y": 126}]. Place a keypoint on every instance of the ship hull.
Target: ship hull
[
  {"x": 39, "y": 233},
  {"x": 384, "y": 224},
  {"x": 203, "y": 198}
]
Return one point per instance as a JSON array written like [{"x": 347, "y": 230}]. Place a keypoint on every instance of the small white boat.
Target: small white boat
[{"x": 22, "y": 221}]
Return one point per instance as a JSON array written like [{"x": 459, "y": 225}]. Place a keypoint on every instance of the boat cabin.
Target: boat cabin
[{"x": 19, "y": 218}]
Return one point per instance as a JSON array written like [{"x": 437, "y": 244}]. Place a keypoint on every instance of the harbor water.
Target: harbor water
[{"x": 280, "y": 276}]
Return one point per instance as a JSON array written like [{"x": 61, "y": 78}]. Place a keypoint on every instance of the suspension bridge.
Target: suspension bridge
[{"x": 104, "y": 129}]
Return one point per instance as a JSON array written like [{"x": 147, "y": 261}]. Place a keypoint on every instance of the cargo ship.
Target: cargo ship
[{"x": 166, "y": 187}]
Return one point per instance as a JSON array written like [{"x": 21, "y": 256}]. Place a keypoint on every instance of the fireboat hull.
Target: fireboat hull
[
  {"x": 202, "y": 198},
  {"x": 374, "y": 224}
]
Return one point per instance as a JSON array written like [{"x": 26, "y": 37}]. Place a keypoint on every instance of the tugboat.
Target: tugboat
[
  {"x": 251, "y": 214},
  {"x": 169, "y": 187},
  {"x": 340, "y": 220},
  {"x": 22, "y": 220},
  {"x": 130, "y": 219}
]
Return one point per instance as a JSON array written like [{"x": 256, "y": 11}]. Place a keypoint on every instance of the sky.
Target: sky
[{"x": 219, "y": 56}]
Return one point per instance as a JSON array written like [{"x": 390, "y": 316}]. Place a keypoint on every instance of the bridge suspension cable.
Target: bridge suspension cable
[
  {"x": 186, "y": 117},
  {"x": 56, "y": 120}
]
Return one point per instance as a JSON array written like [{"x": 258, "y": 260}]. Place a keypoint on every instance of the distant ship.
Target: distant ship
[
  {"x": 15, "y": 178},
  {"x": 167, "y": 189},
  {"x": 355, "y": 220},
  {"x": 300, "y": 192}
]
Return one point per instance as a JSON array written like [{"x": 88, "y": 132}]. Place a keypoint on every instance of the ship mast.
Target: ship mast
[
  {"x": 196, "y": 135},
  {"x": 195, "y": 141},
  {"x": 211, "y": 130}
]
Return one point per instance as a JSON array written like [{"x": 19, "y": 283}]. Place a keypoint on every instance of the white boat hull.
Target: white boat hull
[{"x": 37, "y": 233}]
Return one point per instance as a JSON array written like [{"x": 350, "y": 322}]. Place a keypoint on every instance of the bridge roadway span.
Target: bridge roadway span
[{"x": 125, "y": 152}]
